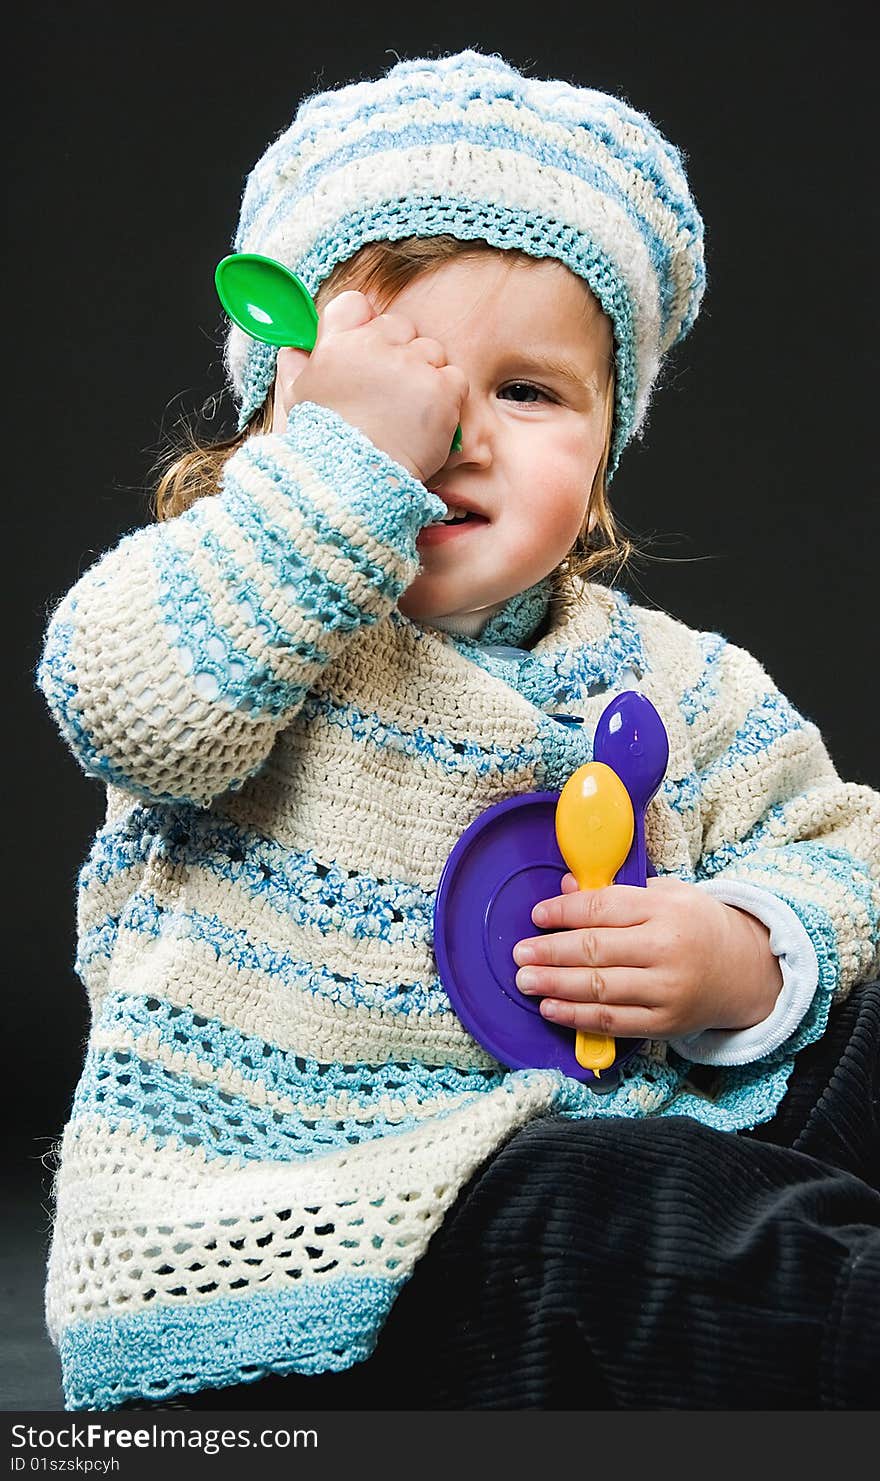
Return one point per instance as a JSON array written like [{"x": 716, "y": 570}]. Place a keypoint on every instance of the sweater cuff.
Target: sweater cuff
[
  {"x": 385, "y": 496},
  {"x": 791, "y": 944}
]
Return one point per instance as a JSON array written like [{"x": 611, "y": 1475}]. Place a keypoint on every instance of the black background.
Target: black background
[{"x": 132, "y": 130}]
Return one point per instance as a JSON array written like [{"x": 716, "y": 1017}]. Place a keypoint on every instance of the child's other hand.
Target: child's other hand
[
  {"x": 655, "y": 963},
  {"x": 377, "y": 373}
]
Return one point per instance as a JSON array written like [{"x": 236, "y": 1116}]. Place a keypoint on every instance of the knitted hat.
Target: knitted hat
[{"x": 467, "y": 146}]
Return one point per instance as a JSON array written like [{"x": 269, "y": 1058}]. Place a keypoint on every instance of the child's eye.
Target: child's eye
[{"x": 524, "y": 391}]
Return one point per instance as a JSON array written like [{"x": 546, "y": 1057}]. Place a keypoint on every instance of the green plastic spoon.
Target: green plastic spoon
[
  {"x": 267, "y": 300},
  {"x": 271, "y": 304}
]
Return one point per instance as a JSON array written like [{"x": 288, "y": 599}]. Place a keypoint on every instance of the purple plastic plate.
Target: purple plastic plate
[{"x": 503, "y": 864}]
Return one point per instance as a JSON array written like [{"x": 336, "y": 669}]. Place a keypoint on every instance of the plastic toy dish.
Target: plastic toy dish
[{"x": 503, "y": 864}]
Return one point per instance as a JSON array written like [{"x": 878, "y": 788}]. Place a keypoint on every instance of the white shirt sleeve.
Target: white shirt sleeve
[{"x": 791, "y": 944}]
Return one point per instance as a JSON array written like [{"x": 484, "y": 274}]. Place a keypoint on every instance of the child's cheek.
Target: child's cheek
[{"x": 560, "y": 489}]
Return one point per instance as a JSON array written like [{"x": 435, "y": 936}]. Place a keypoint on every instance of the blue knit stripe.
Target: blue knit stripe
[
  {"x": 382, "y": 495},
  {"x": 697, "y": 700},
  {"x": 205, "y": 648},
  {"x": 113, "y": 867},
  {"x": 54, "y": 675},
  {"x": 119, "y": 847},
  {"x": 502, "y": 137},
  {"x": 520, "y": 615},
  {"x": 96, "y": 945},
  {"x": 309, "y": 1327},
  {"x": 563, "y": 749},
  {"x": 764, "y": 838},
  {"x": 600, "y": 664},
  {"x": 174, "y": 1108},
  {"x": 283, "y": 1071},
  {"x": 553, "y": 678},
  {"x": 237, "y": 950},
  {"x": 327, "y": 896},
  {"x": 300, "y": 581},
  {"x": 348, "y": 482},
  {"x": 820, "y": 928},
  {"x": 743, "y": 1096},
  {"x": 464, "y": 756},
  {"x": 501, "y": 227},
  {"x": 770, "y": 717},
  {"x": 290, "y": 563},
  {"x": 295, "y": 884},
  {"x": 243, "y": 590},
  {"x": 683, "y": 794}
]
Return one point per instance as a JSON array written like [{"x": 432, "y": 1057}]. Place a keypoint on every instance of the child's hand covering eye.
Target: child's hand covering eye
[
  {"x": 377, "y": 373},
  {"x": 661, "y": 963}
]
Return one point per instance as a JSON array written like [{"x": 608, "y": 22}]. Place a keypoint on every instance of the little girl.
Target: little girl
[{"x": 340, "y": 644}]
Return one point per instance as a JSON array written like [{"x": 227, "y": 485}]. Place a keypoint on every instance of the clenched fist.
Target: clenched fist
[{"x": 377, "y": 373}]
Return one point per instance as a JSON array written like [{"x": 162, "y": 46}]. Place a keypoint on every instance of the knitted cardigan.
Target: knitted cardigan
[{"x": 278, "y": 1104}]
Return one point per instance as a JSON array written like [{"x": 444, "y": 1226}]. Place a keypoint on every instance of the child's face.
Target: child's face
[{"x": 535, "y": 347}]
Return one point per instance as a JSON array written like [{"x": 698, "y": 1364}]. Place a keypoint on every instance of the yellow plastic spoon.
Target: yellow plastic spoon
[{"x": 594, "y": 830}]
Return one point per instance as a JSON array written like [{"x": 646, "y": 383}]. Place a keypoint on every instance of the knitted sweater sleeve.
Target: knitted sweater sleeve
[
  {"x": 777, "y": 820},
  {"x": 173, "y": 662}
]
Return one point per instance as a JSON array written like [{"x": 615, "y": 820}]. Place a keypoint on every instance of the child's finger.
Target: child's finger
[
  {"x": 594, "y": 949},
  {"x": 613, "y": 987},
  {"x": 347, "y": 310},
  {"x": 290, "y": 366},
  {"x": 615, "y": 905},
  {"x": 627, "y": 1022}
]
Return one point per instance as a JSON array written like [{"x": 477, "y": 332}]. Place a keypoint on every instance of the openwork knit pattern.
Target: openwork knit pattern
[
  {"x": 467, "y": 146},
  {"x": 277, "y": 1105}
]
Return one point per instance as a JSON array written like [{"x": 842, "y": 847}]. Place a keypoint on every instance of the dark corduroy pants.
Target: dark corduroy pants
[{"x": 655, "y": 1264}]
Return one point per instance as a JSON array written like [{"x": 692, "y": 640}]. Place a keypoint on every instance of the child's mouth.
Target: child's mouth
[{"x": 436, "y": 534}]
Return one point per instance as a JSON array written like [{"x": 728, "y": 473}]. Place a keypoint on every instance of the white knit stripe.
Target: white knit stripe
[
  {"x": 734, "y": 798},
  {"x": 504, "y": 717},
  {"x": 381, "y": 850},
  {"x": 187, "y": 973},
  {"x": 671, "y": 647},
  {"x": 231, "y": 1081},
  {"x": 502, "y": 176},
  {"x": 378, "y": 837},
  {"x": 183, "y": 1210},
  {"x": 853, "y": 816},
  {"x": 151, "y": 722},
  {"x": 582, "y": 106},
  {"x": 503, "y": 113}
]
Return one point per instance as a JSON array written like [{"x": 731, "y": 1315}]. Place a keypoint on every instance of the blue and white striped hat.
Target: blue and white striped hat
[{"x": 467, "y": 146}]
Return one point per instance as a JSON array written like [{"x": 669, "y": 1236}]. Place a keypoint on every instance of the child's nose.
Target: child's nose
[{"x": 476, "y": 433}]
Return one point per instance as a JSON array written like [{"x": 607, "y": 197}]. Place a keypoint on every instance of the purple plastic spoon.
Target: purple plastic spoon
[{"x": 631, "y": 738}]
